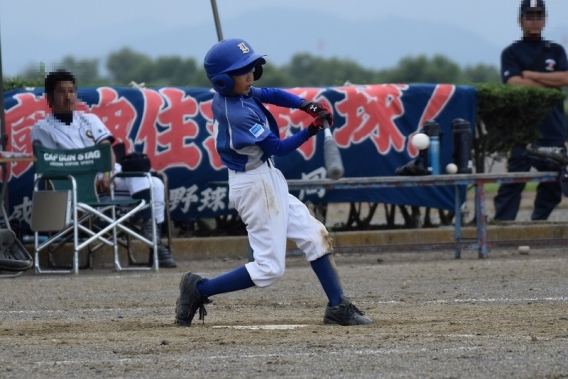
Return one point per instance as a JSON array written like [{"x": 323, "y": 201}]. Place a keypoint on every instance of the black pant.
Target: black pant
[
  {"x": 144, "y": 194},
  {"x": 508, "y": 199}
]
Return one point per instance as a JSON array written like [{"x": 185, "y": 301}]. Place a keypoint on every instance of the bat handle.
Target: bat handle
[{"x": 326, "y": 130}]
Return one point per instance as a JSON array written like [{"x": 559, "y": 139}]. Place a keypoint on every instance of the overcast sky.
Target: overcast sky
[{"x": 69, "y": 27}]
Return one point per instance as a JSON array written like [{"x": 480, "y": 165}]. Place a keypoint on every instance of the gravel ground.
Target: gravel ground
[{"x": 435, "y": 317}]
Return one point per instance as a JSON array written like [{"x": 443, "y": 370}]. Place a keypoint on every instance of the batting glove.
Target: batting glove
[
  {"x": 316, "y": 109},
  {"x": 317, "y": 124}
]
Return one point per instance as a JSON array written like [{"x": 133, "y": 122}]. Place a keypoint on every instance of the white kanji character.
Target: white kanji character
[
  {"x": 213, "y": 199},
  {"x": 319, "y": 173}
]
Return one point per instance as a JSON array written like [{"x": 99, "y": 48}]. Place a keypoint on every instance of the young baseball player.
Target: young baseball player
[
  {"x": 66, "y": 128},
  {"x": 247, "y": 137}
]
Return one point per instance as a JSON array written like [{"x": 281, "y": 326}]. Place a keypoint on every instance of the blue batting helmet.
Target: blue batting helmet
[{"x": 231, "y": 56}]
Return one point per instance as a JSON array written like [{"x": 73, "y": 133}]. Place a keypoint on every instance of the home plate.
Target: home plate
[{"x": 259, "y": 327}]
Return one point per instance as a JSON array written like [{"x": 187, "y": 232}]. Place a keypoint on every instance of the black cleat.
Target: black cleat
[
  {"x": 190, "y": 300},
  {"x": 164, "y": 257},
  {"x": 345, "y": 314}
]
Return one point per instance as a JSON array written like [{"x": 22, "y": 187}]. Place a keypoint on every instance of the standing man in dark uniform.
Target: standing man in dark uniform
[{"x": 533, "y": 61}]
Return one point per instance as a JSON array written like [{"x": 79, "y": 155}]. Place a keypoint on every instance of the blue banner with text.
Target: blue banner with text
[{"x": 174, "y": 127}]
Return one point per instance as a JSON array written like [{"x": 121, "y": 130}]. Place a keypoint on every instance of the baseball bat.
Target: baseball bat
[{"x": 332, "y": 158}]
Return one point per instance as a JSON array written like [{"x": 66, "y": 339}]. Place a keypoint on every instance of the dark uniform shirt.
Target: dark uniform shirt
[{"x": 540, "y": 56}]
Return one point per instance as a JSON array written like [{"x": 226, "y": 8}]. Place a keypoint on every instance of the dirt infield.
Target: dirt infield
[{"x": 435, "y": 317}]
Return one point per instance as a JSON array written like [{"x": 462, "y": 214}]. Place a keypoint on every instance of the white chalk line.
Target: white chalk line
[
  {"x": 280, "y": 355},
  {"x": 355, "y": 352},
  {"x": 129, "y": 275},
  {"x": 502, "y": 300},
  {"x": 153, "y": 309},
  {"x": 254, "y": 356},
  {"x": 471, "y": 300},
  {"x": 260, "y": 327}
]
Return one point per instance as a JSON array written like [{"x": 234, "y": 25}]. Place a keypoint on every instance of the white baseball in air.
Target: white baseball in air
[
  {"x": 451, "y": 168},
  {"x": 420, "y": 141}
]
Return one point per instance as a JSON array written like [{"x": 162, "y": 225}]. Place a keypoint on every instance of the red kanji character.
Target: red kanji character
[
  {"x": 369, "y": 113},
  {"x": 153, "y": 102},
  {"x": 117, "y": 113},
  {"x": 440, "y": 98},
  {"x": 209, "y": 142},
  {"x": 177, "y": 118},
  {"x": 19, "y": 122}
]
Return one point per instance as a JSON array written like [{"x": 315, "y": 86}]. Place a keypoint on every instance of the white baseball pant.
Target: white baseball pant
[{"x": 272, "y": 215}]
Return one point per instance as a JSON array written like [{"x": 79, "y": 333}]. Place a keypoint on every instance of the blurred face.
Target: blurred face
[
  {"x": 64, "y": 98},
  {"x": 532, "y": 24},
  {"x": 242, "y": 83}
]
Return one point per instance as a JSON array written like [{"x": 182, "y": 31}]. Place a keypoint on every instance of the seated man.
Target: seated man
[{"x": 66, "y": 128}]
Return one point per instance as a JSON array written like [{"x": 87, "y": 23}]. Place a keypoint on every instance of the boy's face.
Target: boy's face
[
  {"x": 64, "y": 98},
  {"x": 242, "y": 83},
  {"x": 532, "y": 23}
]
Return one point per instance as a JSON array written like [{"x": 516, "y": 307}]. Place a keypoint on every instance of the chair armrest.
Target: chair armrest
[
  {"x": 131, "y": 174},
  {"x": 54, "y": 177}
]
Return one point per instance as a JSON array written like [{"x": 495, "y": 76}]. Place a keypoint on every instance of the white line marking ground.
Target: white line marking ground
[
  {"x": 257, "y": 327},
  {"x": 153, "y": 309},
  {"x": 279, "y": 355}
]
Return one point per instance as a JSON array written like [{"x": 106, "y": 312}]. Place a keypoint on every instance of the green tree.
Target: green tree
[
  {"x": 86, "y": 71},
  {"x": 33, "y": 72},
  {"x": 303, "y": 70},
  {"x": 127, "y": 65},
  {"x": 307, "y": 70},
  {"x": 273, "y": 76},
  {"x": 174, "y": 71},
  {"x": 199, "y": 79},
  {"x": 481, "y": 73},
  {"x": 421, "y": 69}
]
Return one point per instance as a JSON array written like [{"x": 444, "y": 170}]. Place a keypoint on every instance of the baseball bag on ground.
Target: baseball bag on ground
[
  {"x": 13, "y": 255},
  {"x": 136, "y": 162}
]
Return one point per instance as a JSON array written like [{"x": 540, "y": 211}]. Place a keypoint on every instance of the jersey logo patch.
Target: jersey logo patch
[
  {"x": 256, "y": 130},
  {"x": 550, "y": 64},
  {"x": 90, "y": 135}
]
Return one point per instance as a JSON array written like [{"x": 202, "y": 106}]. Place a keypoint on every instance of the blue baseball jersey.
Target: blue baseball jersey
[
  {"x": 540, "y": 56},
  {"x": 242, "y": 123}
]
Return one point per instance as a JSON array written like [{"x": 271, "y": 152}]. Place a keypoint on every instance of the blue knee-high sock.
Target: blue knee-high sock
[
  {"x": 324, "y": 267},
  {"x": 238, "y": 279}
]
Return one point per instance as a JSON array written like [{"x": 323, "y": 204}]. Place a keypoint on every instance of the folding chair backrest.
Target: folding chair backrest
[{"x": 82, "y": 164}]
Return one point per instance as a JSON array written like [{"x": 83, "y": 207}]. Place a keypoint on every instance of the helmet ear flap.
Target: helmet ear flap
[
  {"x": 257, "y": 71},
  {"x": 223, "y": 83}
]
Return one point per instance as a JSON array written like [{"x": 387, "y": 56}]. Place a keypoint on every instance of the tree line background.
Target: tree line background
[{"x": 303, "y": 70}]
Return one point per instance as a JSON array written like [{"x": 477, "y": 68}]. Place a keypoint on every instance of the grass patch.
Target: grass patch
[{"x": 493, "y": 187}]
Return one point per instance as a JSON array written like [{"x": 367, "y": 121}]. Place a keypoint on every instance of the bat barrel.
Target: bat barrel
[{"x": 332, "y": 158}]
